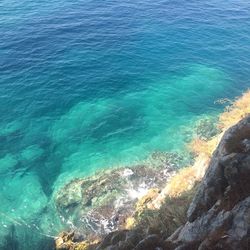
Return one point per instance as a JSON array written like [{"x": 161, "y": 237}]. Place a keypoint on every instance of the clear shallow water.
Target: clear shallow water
[{"x": 87, "y": 85}]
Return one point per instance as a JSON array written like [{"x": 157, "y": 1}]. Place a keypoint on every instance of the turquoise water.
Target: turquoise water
[{"x": 88, "y": 85}]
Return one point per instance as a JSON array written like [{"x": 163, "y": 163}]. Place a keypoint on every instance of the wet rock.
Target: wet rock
[
  {"x": 70, "y": 241},
  {"x": 102, "y": 203},
  {"x": 63, "y": 241}
]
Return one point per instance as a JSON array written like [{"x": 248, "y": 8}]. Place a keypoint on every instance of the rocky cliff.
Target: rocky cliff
[{"x": 219, "y": 215}]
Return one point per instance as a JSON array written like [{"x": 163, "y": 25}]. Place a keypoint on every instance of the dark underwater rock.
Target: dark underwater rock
[
  {"x": 207, "y": 127},
  {"x": 101, "y": 204}
]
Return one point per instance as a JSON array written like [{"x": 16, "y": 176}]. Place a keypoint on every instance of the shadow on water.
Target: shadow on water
[
  {"x": 10, "y": 241},
  {"x": 47, "y": 173},
  {"x": 23, "y": 239},
  {"x": 46, "y": 167}
]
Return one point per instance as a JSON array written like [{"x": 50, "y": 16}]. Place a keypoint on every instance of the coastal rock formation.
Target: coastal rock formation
[
  {"x": 100, "y": 204},
  {"x": 219, "y": 215}
]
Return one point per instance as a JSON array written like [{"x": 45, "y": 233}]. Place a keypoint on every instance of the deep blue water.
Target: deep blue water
[{"x": 88, "y": 84}]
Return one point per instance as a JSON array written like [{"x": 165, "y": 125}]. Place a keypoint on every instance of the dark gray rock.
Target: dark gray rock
[
  {"x": 151, "y": 242},
  {"x": 228, "y": 157},
  {"x": 219, "y": 215}
]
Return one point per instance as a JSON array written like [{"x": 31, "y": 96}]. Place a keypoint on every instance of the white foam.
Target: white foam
[{"x": 127, "y": 172}]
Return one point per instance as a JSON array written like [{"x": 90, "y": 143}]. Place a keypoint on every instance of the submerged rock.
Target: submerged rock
[
  {"x": 102, "y": 203},
  {"x": 207, "y": 127},
  {"x": 11, "y": 128},
  {"x": 31, "y": 153},
  {"x": 7, "y": 164},
  {"x": 168, "y": 160}
]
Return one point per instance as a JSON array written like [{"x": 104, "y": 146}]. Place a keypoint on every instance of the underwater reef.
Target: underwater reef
[{"x": 204, "y": 206}]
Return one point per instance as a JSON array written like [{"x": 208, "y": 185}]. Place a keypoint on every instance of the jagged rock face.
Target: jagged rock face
[{"x": 219, "y": 215}]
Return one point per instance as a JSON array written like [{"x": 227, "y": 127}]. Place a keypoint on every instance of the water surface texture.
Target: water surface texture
[{"x": 89, "y": 84}]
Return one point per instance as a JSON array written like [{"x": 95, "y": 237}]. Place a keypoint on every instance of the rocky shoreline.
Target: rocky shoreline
[
  {"x": 203, "y": 206},
  {"x": 218, "y": 216},
  {"x": 100, "y": 204}
]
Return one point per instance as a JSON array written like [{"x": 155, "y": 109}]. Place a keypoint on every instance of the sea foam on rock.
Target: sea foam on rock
[{"x": 100, "y": 204}]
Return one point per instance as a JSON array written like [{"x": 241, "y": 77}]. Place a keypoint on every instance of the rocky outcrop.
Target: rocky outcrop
[
  {"x": 219, "y": 215},
  {"x": 100, "y": 204},
  {"x": 73, "y": 241}
]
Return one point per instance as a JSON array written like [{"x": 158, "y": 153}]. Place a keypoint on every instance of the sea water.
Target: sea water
[{"x": 87, "y": 85}]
